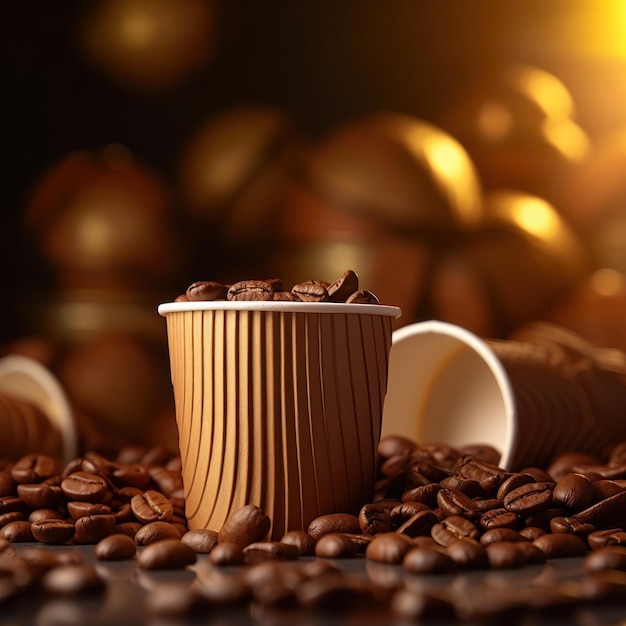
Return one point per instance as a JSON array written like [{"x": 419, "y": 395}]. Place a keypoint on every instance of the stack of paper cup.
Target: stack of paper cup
[
  {"x": 35, "y": 415},
  {"x": 278, "y": 404},
  {"x": 529, "y": 398}
]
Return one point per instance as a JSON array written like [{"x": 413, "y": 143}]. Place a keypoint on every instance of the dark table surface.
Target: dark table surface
[{"x": 123, "y": 601}]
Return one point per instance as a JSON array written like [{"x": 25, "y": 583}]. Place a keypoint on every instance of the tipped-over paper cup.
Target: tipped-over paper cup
[
  {"x": 35, "y": 415},
  {"x": 527, "y": 399},
  {"x": 278, "y": 404}
]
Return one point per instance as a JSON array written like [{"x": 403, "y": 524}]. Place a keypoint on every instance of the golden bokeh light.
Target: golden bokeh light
[{"x": 607, "y": 282}]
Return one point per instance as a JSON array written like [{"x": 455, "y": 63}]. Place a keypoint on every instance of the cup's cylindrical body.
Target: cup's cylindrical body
[{"x": 281, "y": 409}]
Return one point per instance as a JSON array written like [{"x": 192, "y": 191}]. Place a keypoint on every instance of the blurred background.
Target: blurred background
[{"x": 466, "y": 159}]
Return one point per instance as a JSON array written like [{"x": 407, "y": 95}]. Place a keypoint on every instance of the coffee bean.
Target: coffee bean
[
  {"x": 301, "y": 540},
  {"x": 343, "y": 287},
  {"x": 166, "y": 554},
  {"x": 561, "y": 545},
  {"x": 227, "y": 553},
  {"x": 606, "y": 513},
  {"x": 272, "y": 584},
  {"x": 332, "y": 592},
  {"x": 426, "y": 494},
  {"x": 93, "y": 528},
  {"x": 512, "y": 482},
  {"x": 362, "y": 296},
  {"x": 19, "y": 531},
  {"x": 72, "y": 580},
  {"x": 335, "y": 545},
  {"x": 570, "y": 525},
  {"x": 422, "y": 606},
  {"x": 39, "y": 495},
  {"x": 33, "y": 468},
  {"x": 7, "y": 484},
  {"x": 427, "y": 560},
  {"x": 85, "y": 487},
  {"x": 606, "y": 537},
  {"x": 455, "y": 502},
  {"x": 206, "y": 290},
  {"x": 53, "y": 531},
  {"x": 131, "y": 529},
  {"x": 529, "y": 498},
  {"x": 311, "y": 291},
  {"x": 155, "y": 532},
  {"x": 495, "y": 535},
  {"x": 13, "y": 516},
  {"x": 258, "y": 290},
  {"x": 574, "y": 491},
  {"x": 131, "y": 475},
  {"x": 334, "y": 523},
  {"x": 83, "y": 509},
  {"x": 488, "y": 474},
  {"x": 504, "y": 555},
  {"x": 375, "y": 518},
  {"x": 115, "y": 547},
  {"x": 152, "y": 506},
  {"x": 200, "y": 540},
  {"x": 261, "y": 551},
  {"x": 388, "y": 548},
  {"x": 245, "y": 526},
  {"x": 499, "y": 518},
  {"x": 608, "y": 558},
  {"x": 419, "y": 524},
  {"x": 468, "y": 553}
]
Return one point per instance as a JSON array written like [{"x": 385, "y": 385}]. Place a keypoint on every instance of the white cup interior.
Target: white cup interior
[
  {"x": 29, "y": 380},
  {"x": 447, "y": 386}
]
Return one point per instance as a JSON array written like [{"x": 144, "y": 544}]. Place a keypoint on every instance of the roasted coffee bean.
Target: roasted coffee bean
[
  {"x": 427, "y": 560},
  {"x": 261, "y": 551},
  {"x": 513, "y": 482},
  {"x": 285, "y": 296},
  {"x": 388, "y": 548},
  {"x": 335, "y": 545},
  {"x": 419, "y": 524},
  {"x": 334, "y": 523},
  {"x": 52, "y": 531},
  {"x": 82, "y": 509},
  {"x": 13, "y": 516},
  {"x": 484, "y": 505},
  {"x": 489, "y": 475},
  {"x": 529, "y": 498},
  {"x": 93, "y": 528},
  {"x": 495, "y": 535},
  {"x": 460, "y": 526},
  {"x": 606, "y": 513},
  {"x": 608, "y": 558},
  {"x": 540, "y": 475},
  {"x": 574, "y": 491},
  {"x": 375, "y": 518},
  {"x": 422, "y": 606},
  {"x": 10, "y": 503},
  {"x": 532, "y": 554},
  {"x": 561, "y": 545},
  {"x": 130, "y": 528},
  {"x": 155, "y": 532},
  {"x": 200, "y": 540},
  {"x": 33, "y": 468},
  {"x": 311, "y": 291},
  {"x": 604, "y": 488},
  {"x": 455, "y": 502},
  {"x": 362, "y": 296},
  {"x": 499, "y": 518},
  {"x": 301, "y": 540},
  {"x": 132, "y": 475},
  {"x": 542, "y": 519},
  {"x": 39, "y": 495},
  {"x": 531, "y": 532},
  {"x": 85, "y": 487},
  {"x": 570, "y": 525},
  {"x": 258, "y": 290},
  {"x": 400, "y": 513},
  {"x": 272, "y": 584},
  {"x": 223, "y": 590},
  {"x": 245, "y": 526},
  {"x": 343, "y": 287},
  {"x": 206, "y": 290},
  {"x": 115, "y": 547},
  {"x": 72, "y": 580},
  {"x": 17, "y": 532},
  {"x": 152, "y": 506},
  {"x": 391, "y": 445},
  {"x": 168, "y": 481},
  {"x": 442, "y": 535},
  {"x": 426, "y": 494},
  {"x": 606, "y": 537},
  {"x": 227, "y": 553},
  {"x": 123, "y": 513},
  {"x": 468, "y": 486},
  {"x": 468, "y": 553},
  {"x": 166, "y": 554},
  {"x": 607, "y": 587},
  {"x": 504, "y": 555}
]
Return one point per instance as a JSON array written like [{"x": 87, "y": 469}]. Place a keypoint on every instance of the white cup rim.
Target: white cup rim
[{"x": 279, "y": 306}]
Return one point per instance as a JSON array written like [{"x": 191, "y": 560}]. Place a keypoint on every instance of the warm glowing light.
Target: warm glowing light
[
  {"x": 607, "y": 282},
  {"x": 568, "y": 137},
  {"x": 138, "y": 29},
  {"x": 536, "y": 217},
  {"x": 545, "y": 89}
]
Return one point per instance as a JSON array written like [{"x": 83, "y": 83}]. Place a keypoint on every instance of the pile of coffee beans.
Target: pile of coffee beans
[
  {"x": 437, "y": 512},
  {"x": 344, "y": 289}
]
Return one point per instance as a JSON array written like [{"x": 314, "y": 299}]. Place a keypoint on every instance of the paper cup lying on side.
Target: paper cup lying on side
[
  {"x": 35, "y": 414},
  {"x": 527, "y": 400},
  {"x": 278, "y": 404}
]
